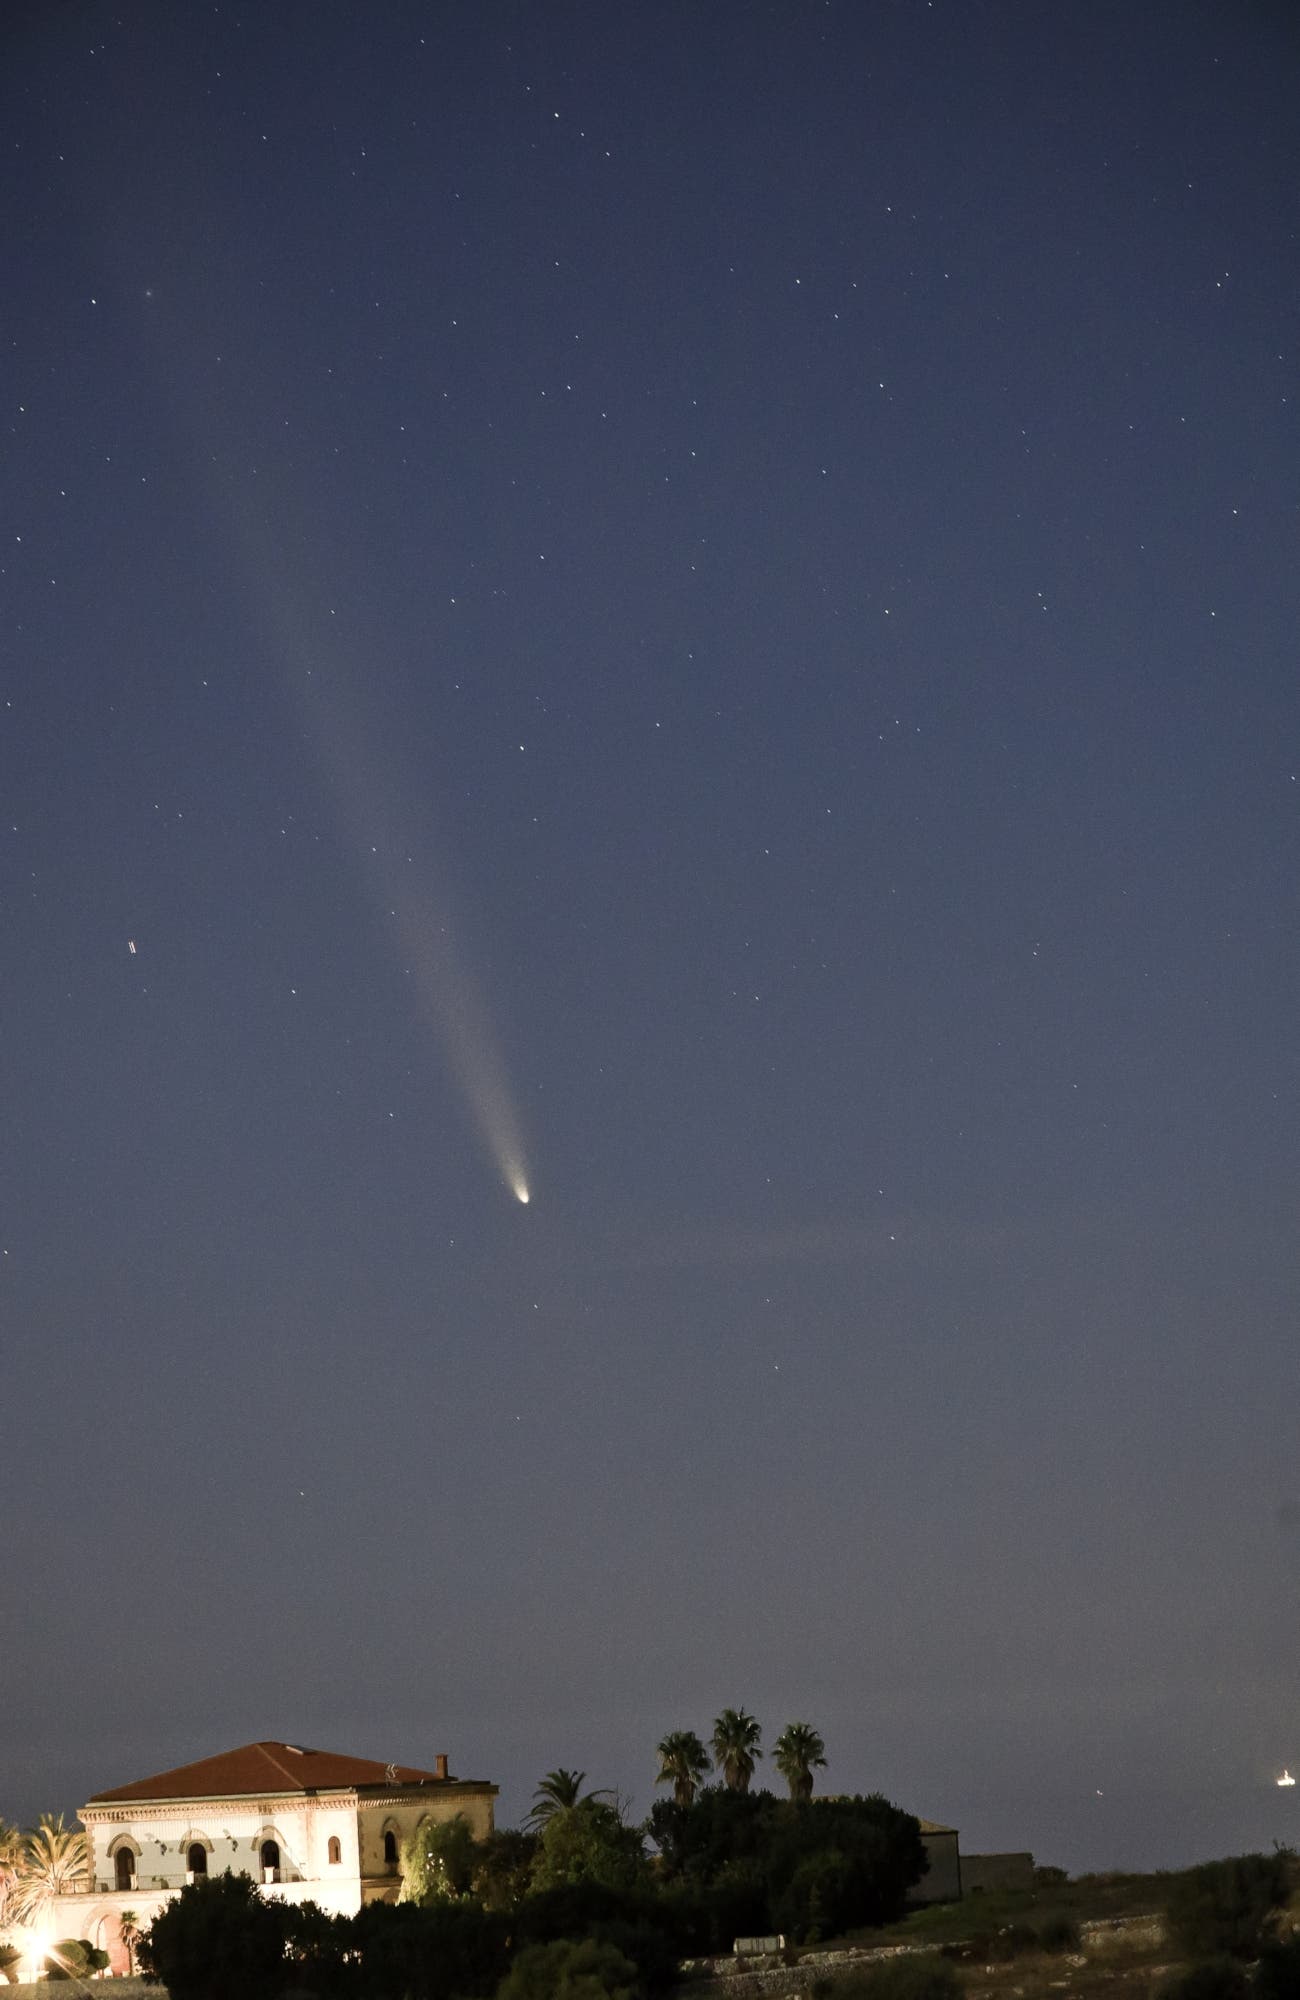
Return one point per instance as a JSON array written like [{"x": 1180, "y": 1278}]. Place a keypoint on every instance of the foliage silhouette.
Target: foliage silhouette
[
  {"x": 218, "y": 1937},
  {"x": 1223, "y": 1909},
  {"x": 736, "y": 1740},
  {"x": 798, "y": 1750},
  {"x": 559, "y": 1791},
  {"x": 438, "y": 1861},
  {"x": 570, "y": 1969},
  {"x": 683, "y": 1763},
  {"x": 1214, "y": 1979}
]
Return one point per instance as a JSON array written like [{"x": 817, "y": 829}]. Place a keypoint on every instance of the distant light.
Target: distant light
[
  {"x": 1286, "y": 1778},
  {"x": 523, "y": 1195},
  {"x": 130, "y": 945}
]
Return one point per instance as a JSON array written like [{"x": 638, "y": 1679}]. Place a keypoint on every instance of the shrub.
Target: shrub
[
  {"x": 1216, "y": 1979},
  {"x": 424, "y": 1953},
  {"x": 589, "y": 1843},
  {"x": 913, "y": 1976},
  {"x": 818, "y": 1899},
  {"x": 1049, "y": 1878},
  {"x": 979, "y": 1948},
  {"x": 217, "y": 1938},
  {"x": 438, "y": 1861},
  {"x": 1222, "y": 1908},
  {"x": 1058, "y": 1934},
  {"x": 1013, "y": 1941},
  {"x": 75, "y": 1958},
  {"x": 1277, "y": 1976},
  {"x": 650, "y": 1928},
  {"x": 569, "y": 1969},
  {"x": 736, "y": 1904}
]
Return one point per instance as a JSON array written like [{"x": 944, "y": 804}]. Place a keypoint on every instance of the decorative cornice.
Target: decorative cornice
[
  {"x": 126, "y": 1813},
  {"x": 118, "y": 1812}
]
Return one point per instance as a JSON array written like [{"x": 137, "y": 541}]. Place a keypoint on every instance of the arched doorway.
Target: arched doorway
[{"x": 270, "y": 1852}]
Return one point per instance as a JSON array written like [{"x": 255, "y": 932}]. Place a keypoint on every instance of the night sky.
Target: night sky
[{"x": 688, "y": 607}]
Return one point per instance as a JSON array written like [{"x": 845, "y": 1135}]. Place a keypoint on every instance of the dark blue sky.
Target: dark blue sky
[{"x": 709, "y": 592}]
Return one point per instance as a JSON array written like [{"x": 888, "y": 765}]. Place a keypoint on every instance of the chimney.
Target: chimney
[{"x": 440, "y": 1765}]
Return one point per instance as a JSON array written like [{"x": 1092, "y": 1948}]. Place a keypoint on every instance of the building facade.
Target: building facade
[
  {"x": 307, "y": 1825},
  {"x": 942, "y": 1881}
]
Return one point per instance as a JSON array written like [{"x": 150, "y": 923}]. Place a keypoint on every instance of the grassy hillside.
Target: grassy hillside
[{"x": 1090, "y": 1899}]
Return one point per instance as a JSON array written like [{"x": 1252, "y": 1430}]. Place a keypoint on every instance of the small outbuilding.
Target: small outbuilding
[{"x": 942, "y": 1881}]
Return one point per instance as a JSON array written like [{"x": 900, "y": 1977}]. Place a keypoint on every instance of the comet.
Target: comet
[
  {"x": 418, "y": 905},
  {"x": 453, "y": 1005}
]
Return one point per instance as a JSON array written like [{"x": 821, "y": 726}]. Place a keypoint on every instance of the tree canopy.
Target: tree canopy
[
  {"x": 588, "y": 1843},
  {"x": 438, "y": 1861}
]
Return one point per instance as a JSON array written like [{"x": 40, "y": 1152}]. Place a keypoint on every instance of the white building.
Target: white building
[{"x": 308, "y": 1825}]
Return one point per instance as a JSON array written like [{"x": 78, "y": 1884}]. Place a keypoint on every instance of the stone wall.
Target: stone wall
[{"x": 731, "y": 1978}]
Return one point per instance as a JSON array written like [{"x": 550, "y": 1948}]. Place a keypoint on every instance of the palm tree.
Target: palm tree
[
  {"x": 11, "y": 1861},
  {"x": 797, "y": 1749},
  {"x": 128, "y": 1924},
  {"x": 736, "y": 1737},
  {"x": 683, "y": 1761},
  {"x": 559, "y": 1792},
  {"x": 56, "y": 1862}
]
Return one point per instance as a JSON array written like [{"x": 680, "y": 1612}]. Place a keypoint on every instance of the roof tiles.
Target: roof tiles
[{"x": 256, "y": 1769}]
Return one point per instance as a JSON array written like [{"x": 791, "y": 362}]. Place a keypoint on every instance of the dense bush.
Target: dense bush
[
  {"x": 570, "y": 1969},
  {"x": 758, "y": 1864},
  {"x": 1215, "y": 1979},
  {"x": 448, "y": 1951},
  {"x": 1058, "y": 1934},
  {"x": 438, "y": 1860},
  {"x": 75, "y": 1958},
  {"x": 589, "y": 1843},
  {"x": 819, "y": 1899},
  {"x": 217, "y": 1938},
  {"x": 1222, "y": 1909},
  {"x": 1277, "y": 1976},
  {"x": 503, "y": 1867},
  {"x": 650, "y": 1929}
]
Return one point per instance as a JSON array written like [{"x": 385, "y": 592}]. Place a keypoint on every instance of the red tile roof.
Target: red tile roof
[{"x": 260, "y": 1768}]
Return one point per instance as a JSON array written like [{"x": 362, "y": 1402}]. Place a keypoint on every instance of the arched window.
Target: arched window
[
  {"x": 390, "y": 1849},
  {"x": 335, "y": 1849},
  {"x": 196, "y": 1858},
  {"x": 271, "y": 1859},
  {"x": 124, "y": 1868}
]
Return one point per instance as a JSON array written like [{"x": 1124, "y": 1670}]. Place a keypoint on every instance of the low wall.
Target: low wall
[
  {"x": 119, "y": 1989},
  {"x": 1098, "y": 1932},
  {"x": 731, "y": 1978}
]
